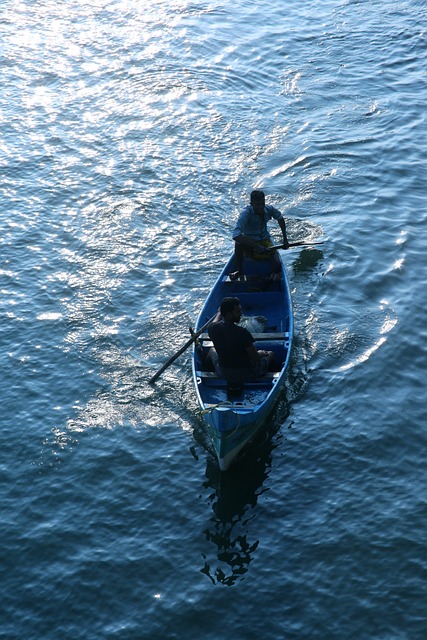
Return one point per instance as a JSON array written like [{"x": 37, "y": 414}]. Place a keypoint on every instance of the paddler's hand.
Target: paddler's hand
[
  {"x": 285, "y": 243},
  {"x": 262, "y": 249}
]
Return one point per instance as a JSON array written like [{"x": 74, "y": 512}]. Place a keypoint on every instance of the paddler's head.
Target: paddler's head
[
  {"x": 258, "y": 201},
  {"x": 230, "y": 309}
]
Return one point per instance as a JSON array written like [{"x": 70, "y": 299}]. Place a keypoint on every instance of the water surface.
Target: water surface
[{"x": 130, "y": 138}]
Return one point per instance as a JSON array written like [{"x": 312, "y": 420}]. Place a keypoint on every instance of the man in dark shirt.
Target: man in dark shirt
[{"x": 234, "y": 355}]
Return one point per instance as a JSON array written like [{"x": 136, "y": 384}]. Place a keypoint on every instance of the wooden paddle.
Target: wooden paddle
[
  {"x": 302, "y": 243},
  {"x": 193, "y": 338}
]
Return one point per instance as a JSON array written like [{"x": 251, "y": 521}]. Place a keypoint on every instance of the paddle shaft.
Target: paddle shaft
[
  {"x": 193, "y": 338},
  {"x": 302, "y": 243}
]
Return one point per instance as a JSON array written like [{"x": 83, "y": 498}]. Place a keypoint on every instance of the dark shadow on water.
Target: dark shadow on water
[
  {"x": 308, "y": 259},
  {"x": 234, "y": 498}
]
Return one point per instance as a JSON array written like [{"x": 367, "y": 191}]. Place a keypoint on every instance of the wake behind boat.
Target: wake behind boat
[{"x": 232, "y": 420}]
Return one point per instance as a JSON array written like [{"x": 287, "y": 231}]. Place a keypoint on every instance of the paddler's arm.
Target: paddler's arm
[
  {"x": 253, "y": 353},
  {"x": 214, "y": 320},
  {"x": 282, "y": 225}
]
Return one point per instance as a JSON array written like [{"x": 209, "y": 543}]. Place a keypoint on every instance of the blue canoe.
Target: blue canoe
[{"x": 233, "y": 421}]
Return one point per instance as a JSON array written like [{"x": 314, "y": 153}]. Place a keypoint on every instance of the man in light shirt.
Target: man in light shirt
[{"x": 251, "y": 236}]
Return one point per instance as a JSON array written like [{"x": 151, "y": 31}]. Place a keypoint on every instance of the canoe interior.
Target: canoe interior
[{"x": 258, "y": 296}]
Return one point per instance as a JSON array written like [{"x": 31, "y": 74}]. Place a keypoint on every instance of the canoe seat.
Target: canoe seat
[
  {"x": 256, "y": 277},
  {"x": 257, "y": 336},
  {"x": 211, "y": 375}
]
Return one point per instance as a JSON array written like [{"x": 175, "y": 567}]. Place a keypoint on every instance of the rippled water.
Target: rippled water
[{"x": 130, "y": 138}]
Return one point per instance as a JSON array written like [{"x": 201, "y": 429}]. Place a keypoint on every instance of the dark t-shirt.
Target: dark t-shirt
[{"x": 231, "y": 342}]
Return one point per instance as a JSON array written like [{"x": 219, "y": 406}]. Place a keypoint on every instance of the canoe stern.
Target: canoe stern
[{"x": 230, "y": 431}]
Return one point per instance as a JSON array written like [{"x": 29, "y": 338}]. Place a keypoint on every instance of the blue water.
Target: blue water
[{"x": 130, "y": 138}]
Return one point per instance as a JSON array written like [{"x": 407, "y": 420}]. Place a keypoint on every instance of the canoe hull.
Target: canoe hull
[
  {"x": 230, "y": 430},
  {"x": 232, "y": 422}
]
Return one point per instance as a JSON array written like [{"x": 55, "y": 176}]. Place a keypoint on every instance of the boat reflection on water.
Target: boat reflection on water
[{"x": 234, "y": 497}]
